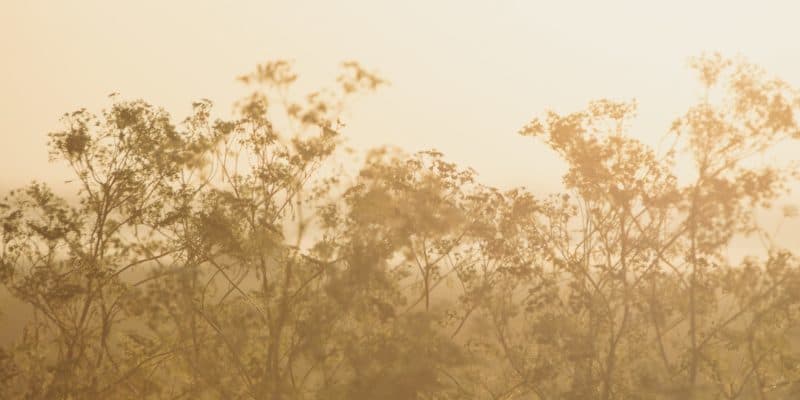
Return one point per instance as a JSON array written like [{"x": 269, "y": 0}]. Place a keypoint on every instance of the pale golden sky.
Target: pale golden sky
[{"x": 465, "y": 74}]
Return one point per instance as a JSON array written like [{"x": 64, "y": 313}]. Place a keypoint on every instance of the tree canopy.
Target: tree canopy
[{"x": 215, "y": 258}]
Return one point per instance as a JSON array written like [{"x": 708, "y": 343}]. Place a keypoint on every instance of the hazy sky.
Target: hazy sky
[{"x": 465, "y": 74}]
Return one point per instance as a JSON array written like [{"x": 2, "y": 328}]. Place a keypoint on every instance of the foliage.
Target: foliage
[{"x": 227, "y": 259}]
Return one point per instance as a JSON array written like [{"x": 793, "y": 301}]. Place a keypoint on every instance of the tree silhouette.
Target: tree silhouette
[{"x": 237, "y": 258}]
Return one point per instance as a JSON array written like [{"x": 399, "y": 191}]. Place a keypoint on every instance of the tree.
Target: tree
[{"x": 237, "y": 258}]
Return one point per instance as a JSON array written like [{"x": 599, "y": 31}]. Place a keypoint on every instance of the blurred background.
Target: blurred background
[{"x": 465, "y": 75}]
